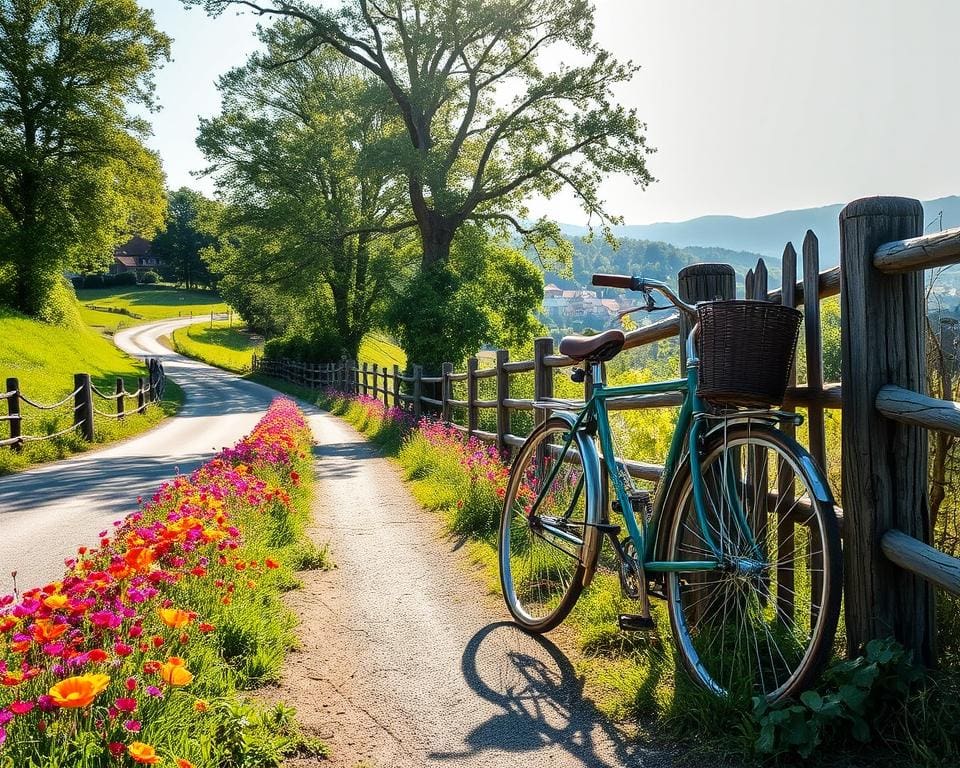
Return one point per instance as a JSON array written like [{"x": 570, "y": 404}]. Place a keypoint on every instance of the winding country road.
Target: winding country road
[
  {"x": 48, "y": 511},
  {"x": 405, "y": 659}
]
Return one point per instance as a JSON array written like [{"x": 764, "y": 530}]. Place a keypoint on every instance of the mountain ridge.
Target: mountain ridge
[{"x": 768, "y": 234}]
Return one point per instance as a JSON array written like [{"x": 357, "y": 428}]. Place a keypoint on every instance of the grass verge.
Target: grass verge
[
  {"x": 220, "y": 344},
  {"x": 43, "y": 358},
  {"x": 144, "y": 650}
]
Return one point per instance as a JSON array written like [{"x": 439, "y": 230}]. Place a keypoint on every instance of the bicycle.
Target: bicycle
[{"x": 742, "y": 542}]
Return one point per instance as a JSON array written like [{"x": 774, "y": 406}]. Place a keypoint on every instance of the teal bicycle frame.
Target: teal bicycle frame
[{"x": 686, "y": 439}]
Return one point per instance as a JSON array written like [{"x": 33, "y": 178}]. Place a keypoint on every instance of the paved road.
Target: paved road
[{"x": 48, "y": 511}]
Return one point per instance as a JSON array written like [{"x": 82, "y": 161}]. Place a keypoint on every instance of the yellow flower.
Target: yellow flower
[
  {"x": 174, "y": 618},
  {"x": 143, "y": 753},
  {"x": 174, "y": 672},
  {"x": 55, "y": 601},
  {"x": 77, "y": 692}
]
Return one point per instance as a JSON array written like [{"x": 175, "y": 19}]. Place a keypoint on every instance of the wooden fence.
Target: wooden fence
[
  {"x": 83, "y": 399},
  {"x": 889, "y": 563}
]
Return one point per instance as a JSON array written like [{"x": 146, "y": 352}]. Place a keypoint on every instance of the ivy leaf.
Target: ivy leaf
[{"x": 812, "y": 700}]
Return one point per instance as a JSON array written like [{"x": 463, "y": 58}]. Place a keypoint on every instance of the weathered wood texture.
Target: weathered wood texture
[
  {"x": 785, "y": 480},
  {"x": 937, "y": 249},
  {"x": 884, "y": 463},
  {"x": 923, "y": 560},
  {"x": 702, "y": 282},
  {"x": 910, "y": 407}
]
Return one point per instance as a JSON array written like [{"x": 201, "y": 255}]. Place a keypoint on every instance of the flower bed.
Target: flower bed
[{"x": 137, "y": 655}]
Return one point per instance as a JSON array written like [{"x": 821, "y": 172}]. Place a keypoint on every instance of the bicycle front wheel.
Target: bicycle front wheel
[
  {"x": 764, "y": 622},
  {"x": 548, "y": 541}
]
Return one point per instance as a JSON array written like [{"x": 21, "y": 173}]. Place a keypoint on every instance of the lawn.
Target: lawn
[
  {"x": 222, "y": 345},
  {"x": 136, "y": 305},
  {"x": 376, "y": 348},
  {"x": 44, "y": 359}
]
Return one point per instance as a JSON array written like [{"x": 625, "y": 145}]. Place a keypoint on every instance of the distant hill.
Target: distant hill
[
  {"x": 652, "y": 259},
  {"x": 767, "y": 235}
]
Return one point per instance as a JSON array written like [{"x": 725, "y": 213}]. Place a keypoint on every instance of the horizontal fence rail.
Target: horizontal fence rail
[{"x": 149, "y": 390}]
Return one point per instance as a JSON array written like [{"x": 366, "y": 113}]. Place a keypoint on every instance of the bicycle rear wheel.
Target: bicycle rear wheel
[
  {"x": 548, "y": 543},
  {"x": 764, "y": 623}
]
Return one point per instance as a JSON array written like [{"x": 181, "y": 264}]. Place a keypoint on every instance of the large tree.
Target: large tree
[
  {"x": 491, "y": 115},
  {"x": 75, "y": 177},
  {"x": 297, "y": 153},
  {"x": 182, "y": 241}
]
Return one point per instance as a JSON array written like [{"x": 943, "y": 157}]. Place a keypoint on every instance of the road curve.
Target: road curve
[{"x": 48, "y": 511}]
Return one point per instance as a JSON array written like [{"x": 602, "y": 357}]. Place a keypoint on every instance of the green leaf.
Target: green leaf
[
  {"x": 766, "y": 740},
  {"x": 812, "y": 699}
]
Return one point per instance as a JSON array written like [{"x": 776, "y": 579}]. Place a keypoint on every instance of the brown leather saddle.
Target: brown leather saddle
[{"x": 596, "y": 349}]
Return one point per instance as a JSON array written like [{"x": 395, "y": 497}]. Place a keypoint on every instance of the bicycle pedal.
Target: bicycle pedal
[{"x": 631, "y": 622}]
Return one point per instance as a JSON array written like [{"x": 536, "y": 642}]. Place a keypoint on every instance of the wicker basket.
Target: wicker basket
[{"x": 746, "y": 351}]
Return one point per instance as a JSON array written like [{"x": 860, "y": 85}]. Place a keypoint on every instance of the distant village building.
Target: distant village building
[
  {"x": 135, "y": 256},
  {"x": 563, "y": 306}
]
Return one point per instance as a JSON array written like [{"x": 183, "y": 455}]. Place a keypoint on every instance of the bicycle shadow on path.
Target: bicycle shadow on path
[{"x": 541, "y": 703}]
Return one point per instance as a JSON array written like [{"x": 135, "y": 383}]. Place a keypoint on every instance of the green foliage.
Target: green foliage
[
  {"x": 856, "y": 699},
  {"x": 485, "y": 295},
  {"x": 150, "y": 278},
  {"x": 181, "y": 242},
  {"x": 323, "y": 344},
  {"x": 75, "y": 176},
  {"x": 306, "y": 246}
]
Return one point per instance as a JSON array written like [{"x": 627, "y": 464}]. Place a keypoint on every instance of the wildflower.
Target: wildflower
[
  {"x": 181, "y": 763},
  {"x": 133, "y": 726},
  {"x": 175, "y": 618},
  {"x": 77, "y": 692},
  {"x": 21, "y": 707},
  {"x": 175, "y": 672},
  {"x": 143, "y": 753},
  {"x": 116, "y": 748},
  {"x": 126, "y": 705},
  {"x": 201, "y": 706},
  {"x": 206, "y": 627}
]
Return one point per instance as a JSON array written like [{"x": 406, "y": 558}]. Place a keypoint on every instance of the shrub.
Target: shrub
[
  {"x": 150, "y": 278},
  {"x": 93, "y": 281},
  {"x": 124, "y": 279},
  {"x": 322, "y": 345},
  {"x": 77, "y": 281}
]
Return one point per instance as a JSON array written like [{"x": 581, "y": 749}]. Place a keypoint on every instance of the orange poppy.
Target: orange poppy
[
  {"x": 181, "y": 763},
  {"x": 139, "y": 558},
  {"x": 77, "y": 692},
  {"x": 174, "y": 672},
  {"x": 143, "y": 753},
  {"x": 45, "y": 631},
  {"x": 175, "y": 618}
]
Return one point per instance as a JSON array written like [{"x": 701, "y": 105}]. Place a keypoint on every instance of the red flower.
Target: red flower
[
  {"x": 126, "y": 705},
  {"x": 205, "y": 627}
]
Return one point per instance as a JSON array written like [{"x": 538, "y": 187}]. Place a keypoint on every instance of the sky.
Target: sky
[{"x": 753, "y": 106}]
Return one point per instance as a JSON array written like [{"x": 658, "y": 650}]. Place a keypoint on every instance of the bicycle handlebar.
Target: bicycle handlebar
[{"x": 634, "y": 283}]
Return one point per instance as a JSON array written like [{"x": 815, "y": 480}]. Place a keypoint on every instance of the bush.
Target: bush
[
  {"x": 150, "y": 278},
  {"x": 124, "y": 279},
  {"x": 93, "y": 281},
  {"x": 77, "y": 282},
  {"x": 323, "y": 345}
]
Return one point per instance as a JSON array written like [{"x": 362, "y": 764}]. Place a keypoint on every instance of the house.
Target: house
[
  {"x": 135, "y": 256},
  {"x": 566, "y": 305}
]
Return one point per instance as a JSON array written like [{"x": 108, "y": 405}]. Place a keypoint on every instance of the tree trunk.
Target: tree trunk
[{"x": 436, "y": 236}]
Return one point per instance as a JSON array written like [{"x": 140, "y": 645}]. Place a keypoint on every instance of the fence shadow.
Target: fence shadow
[{"x": 542, "y": 702}]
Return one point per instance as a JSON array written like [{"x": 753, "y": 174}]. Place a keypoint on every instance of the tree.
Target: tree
[
  {"x": 297, "y": 155},
  {"x": 75, "y": 177},
  {"x": 181, "y": 243},
  {"x": 485, "y": 124}
]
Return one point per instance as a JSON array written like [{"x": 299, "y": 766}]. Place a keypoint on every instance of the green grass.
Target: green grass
[
  {"x": 221, "y": 345},
  {"x": 136, "y": 305},
  {"x": 376, "y": 348},
  {"x": 44, "y": 359}
]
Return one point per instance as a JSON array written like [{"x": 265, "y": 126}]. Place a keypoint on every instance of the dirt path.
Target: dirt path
[{"x": 404, "y": 660}]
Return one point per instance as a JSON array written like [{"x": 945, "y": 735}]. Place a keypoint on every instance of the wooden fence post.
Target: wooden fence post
[
  {"x": 83, "y": 405},
  {"x": 141, "y": 396},
  {"x": 702, "y": 282},
  {"x": 353, "y": 368},
  {"x": 884, "y": 462},
  {"x": 446, "y": 410},
  {"x": 376, "y": 381},
  {"x": 365, "y": 381},
  {"x": 417, "y": 392},
  {"x": 473, "y": 413},
  {"x": 503, "y": 392},
  {"x": 396, "y": 387},
  {"x": 120, "y": 390},
  {"x": 786, "y": 540},
  {"x": 13, "y": 411},
  {"x": 542, "y": 376},
  {"x": 386, "y": 389}
]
